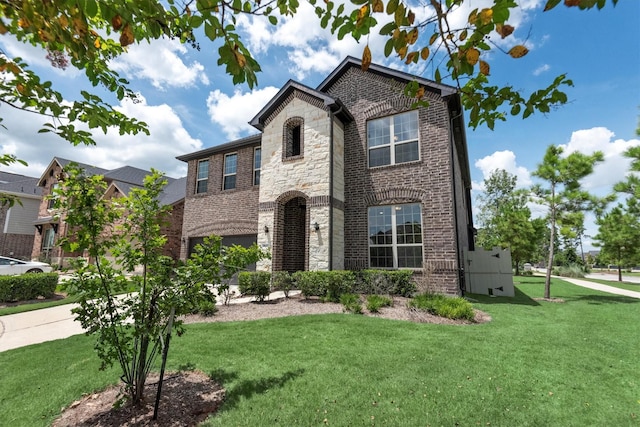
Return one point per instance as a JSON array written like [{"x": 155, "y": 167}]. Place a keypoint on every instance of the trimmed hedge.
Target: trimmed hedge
[
  {"x": 328, "y": 285},
  {"x": 282, "y": 281},
  {"x": 255, "y": 283},
  {"x": 385, "y": 282},
  {"x": 27, "y": 286},
  {"x": 332, "y": 284}
]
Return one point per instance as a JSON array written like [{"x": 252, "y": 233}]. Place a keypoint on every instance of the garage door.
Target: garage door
[{"x": 244, "y": 241}]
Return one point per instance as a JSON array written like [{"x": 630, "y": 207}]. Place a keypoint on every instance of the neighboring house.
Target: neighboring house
[
  {"x": 16, "y": 238},
  {"x": 50, "y": 227},
  {"x": 344, "y": 176}
]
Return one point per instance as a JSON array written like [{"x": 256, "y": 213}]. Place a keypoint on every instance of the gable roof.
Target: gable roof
[
  {"x": 123, "y": 179},
  {"x": 128, "y": 174},
  {"x": 330, "y": 102},
  {"x": 351, "y": 62},
  {"x": 91, "y": 170},
  {"x": 174, "y": 191}
]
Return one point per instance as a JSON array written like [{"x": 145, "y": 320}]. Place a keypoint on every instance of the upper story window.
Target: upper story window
[
  {"x": 230, "y": 169},
  {"x": 257, "y": 160},
  {"x": 395, "y": 236},
  {"x": 293, "y": 138},
  {"x": 51, "y": 204},
  {"x": 394, "y": 139},
  {"x": 203, "y": 176}
]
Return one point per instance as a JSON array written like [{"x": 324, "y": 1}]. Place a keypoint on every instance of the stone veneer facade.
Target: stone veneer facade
[{"x": 330, "y": 184}]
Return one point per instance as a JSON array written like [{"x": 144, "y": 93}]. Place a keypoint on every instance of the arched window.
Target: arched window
[{"x": 293, "y": 138}]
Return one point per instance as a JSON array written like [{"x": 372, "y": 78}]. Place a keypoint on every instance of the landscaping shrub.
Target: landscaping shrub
[
  {"x": 575, "y": 271},
  {"x": 376, "y": 302},
  {"x": 329, "y": 285},
  {"x": 205, "y": 308},
  {"x": 339, "y": 282},
  {"x": 282, "y": 281},
  {"x": 311, "y": 283},
  {"x": 443, "y": 306},
  {"x": 351, "y": 303},
  {"x": 255, "y": 283},
  {"x": 27, "y": 286},
  {"x": 385, "y": 282}
]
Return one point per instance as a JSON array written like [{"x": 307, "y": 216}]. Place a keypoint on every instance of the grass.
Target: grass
[{"x": 535, "y": 364}]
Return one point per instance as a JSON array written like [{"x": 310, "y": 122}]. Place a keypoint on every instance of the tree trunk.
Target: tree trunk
[
  {"x": 547, "y": 282},
  {"x": 619, "y": 273}
]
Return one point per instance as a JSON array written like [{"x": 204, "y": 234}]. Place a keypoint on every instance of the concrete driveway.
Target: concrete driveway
[{"x": 48, "y": 324}]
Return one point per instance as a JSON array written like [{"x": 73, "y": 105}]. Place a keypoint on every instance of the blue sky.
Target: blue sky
[{"x": 190, "y": 103}]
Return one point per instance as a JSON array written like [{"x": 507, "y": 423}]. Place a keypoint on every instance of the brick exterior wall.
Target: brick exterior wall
[
  {"x": 428, "y": 181},
  {"x": 221, "y": 212},
  {"x": 173, "y": 231}
]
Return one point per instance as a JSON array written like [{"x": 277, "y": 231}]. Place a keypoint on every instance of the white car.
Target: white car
[{"x": 11, "y": 267}]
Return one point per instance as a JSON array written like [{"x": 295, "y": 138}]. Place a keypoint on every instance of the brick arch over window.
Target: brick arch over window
[
  {"x": 395, "y": 195},
  {"x": 291, "y": 232},
  {"x": 293, "y": 138}
]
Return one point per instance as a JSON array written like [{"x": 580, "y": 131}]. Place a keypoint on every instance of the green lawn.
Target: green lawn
[{"x": 536, "y": 364}]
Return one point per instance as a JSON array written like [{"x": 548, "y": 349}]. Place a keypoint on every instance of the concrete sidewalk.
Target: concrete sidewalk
[
  {"x": 600, "y": 287},
  {"x": 54, "y": 323}
]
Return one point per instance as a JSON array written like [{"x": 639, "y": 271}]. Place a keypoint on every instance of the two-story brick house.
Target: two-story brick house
[
  {"x": 344, "y": 176},
  {"x": 50, "y": 226}
]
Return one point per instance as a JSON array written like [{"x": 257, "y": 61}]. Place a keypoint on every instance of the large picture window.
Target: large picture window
[
  {"x": 395, "y": 236},
  {"x": 394, "y": 139},
  {"x": 230, "y": 169},
  {"x": 203, "y": 176}
]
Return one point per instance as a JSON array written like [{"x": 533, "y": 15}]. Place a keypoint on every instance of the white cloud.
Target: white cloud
[
  {"x": 168, "y": 139},
  {"x": 541, "y": 69},
  {"x": 502, "y": 160},
  {"x": 615, "y": 165},
  {"x": 161, "y": 63},
  {"x": 233, "y": 112},
  {"x": 310, "y": 47}
]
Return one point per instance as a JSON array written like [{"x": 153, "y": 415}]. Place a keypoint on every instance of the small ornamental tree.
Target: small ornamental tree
[
  {"x": 561, "y": 192},
  {"x": 119, "y": 235},
  {"x": 619, "y": 236}
]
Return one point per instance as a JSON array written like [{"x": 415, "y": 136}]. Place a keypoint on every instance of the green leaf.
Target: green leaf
[
  {"x": 551, "y": 4},
  {"x": 515, "y": 110},
  {"x": 388, "y": 48},
  {"x": 273, "y": 20},
  {"x": 392, "y": 6}
]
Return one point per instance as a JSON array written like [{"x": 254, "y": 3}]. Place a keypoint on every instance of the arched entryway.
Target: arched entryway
[{"x": 292, "y": 239}]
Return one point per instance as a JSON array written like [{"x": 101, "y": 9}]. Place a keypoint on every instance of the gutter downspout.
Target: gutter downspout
[
  {"x": 331, "y": 117},
  {"x": 455, "y": 210}
]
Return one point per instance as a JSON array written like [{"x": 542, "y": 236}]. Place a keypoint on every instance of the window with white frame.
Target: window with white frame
[
  {"x": 257, "y": 160},
  {"x": 395, "y": 236},
  {"x": 393, "y": 139},
  {"x": 203, "y": 176},
  {"x": 230, "y": 169},
  {"x": 51, "y": 204}
]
